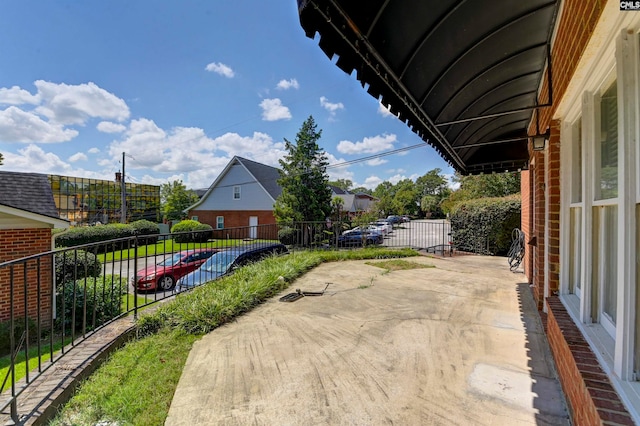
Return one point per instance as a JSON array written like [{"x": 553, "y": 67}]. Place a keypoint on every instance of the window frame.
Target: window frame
[
  {"x": 219, "y": 221},
  {"x": 237, "y": 194}
]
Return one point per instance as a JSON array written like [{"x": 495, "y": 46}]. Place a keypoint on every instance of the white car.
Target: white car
[
  {"x": 383, "y": 227},
  {"x": 368, "y": 228}
]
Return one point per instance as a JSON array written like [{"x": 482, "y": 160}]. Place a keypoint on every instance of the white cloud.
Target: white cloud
[
  {"x": 78, "y": 156},
  {"x": 74, "y": 104},
  {"x": 371, "y": 182},
  {"x": 34, "y": 159},
  {"x": 340, "y": 172},
  {"x": 93, "y": 150},
  {"x": 189, "y": 152},
  {"x": 17, "y": 96},
  {"x": 371, "y": 145},
  {"x": 17, "y": 125},
  {"x": 384, "y": 111},
  {"x": 273, "y": 110},
  {"x": 288, "y": 84},
  {"x": 376, "y": 162},
  {"x": 220, "y": 68},
  {"x": 331, "y": 107},
  {"x": 398, "y": 177},
  {"x": 110, "y": 127}
]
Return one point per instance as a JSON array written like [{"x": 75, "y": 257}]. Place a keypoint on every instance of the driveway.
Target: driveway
[{"x": 457, "y": 344}]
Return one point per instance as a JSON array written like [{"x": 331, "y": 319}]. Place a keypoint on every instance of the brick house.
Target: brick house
[
  {"x": 241, "y": 196},
  {"x": 549, "y": 88},
  {"x": 27, "y": 215}
]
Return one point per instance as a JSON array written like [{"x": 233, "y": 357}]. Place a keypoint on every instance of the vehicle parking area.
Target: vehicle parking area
[{"x": 458, "y": 343}]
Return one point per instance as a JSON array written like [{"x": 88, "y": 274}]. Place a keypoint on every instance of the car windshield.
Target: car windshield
[
  {"x": 219, "y": 262},
  {"x": 171, "y": 261}
]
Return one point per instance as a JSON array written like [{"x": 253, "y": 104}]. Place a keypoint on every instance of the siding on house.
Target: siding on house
[{"x": 252, "y": 194}]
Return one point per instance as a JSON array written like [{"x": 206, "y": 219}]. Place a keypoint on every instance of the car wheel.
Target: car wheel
[{"x": 166, "y": 283}]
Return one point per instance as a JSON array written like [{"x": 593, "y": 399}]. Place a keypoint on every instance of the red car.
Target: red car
[{"x": 163, "y": 276}]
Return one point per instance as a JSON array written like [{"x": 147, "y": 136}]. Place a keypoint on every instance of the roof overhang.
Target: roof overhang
[
  {"x": 10, "y": 217},
  {"x": 464, "y": 75}
]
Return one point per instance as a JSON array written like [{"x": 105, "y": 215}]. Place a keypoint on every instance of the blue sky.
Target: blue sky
[{"x": 181, "y": 87}]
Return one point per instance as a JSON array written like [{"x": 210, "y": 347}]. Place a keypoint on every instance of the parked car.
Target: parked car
[
  {"x": 384, "y": 225},
  {"x": 224, "y": 262},
  {"x": 165, "y": 274},
  {"x": 393, "y": 219},
  {"x": 405, "y": 219},
  {"x": 357, "y": 238},
  {"x": 369, "y": 228}
]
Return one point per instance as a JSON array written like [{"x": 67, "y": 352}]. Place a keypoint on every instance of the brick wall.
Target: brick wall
[
  {"x": 591, "y": 397},
  {"x": 18, "y": 243},
  {"x": 525, "y": 221},
  {"x": 236, "y": 219}
]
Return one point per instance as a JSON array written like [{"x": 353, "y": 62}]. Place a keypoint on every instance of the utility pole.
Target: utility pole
[{"x": 123, "y": 194}]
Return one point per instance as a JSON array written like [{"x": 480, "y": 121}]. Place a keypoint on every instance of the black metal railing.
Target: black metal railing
[{"x": 52, "y": 301}]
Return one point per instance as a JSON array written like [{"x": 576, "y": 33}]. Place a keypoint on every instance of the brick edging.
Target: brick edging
[{"x": 589, "y": 392}]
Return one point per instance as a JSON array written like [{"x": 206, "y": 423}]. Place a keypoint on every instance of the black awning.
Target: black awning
[{"x": 463, "y": 75}]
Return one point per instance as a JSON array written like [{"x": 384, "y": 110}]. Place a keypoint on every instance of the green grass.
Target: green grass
[
  {"x": 398, "y": 265},
  {"x": 162, "y": 247},
  {"x": 21, "y": 365},
  {"x": 136, "y": 385}
]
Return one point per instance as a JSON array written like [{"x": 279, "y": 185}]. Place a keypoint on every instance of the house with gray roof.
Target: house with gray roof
[{"x": 242, "y": 195}]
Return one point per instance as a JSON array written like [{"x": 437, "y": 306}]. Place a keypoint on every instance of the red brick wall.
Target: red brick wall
[
  {"x": 236, "y": 219},
  {"x": 577, "y": 22},
  {"x": 18, "y": 243},
  {"x": 525, "y": 221},
  {"x": 591, "y": 397}
]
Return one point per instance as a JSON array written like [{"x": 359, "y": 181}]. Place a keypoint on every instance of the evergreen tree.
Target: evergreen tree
[{"x": 303, "y": 178}]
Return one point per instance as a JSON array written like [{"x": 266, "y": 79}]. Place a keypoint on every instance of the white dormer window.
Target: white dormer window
[{"x": 236, "y": 192}]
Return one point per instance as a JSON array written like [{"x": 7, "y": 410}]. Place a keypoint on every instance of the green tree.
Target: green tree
[
  {"x": 345, "y": 184},
  {"x": 406, "y": 198},
  {"x": 1, "y": 158},
  {"x": 362, "y": 189},
  {"x": 431, "y": 183},
  {"x": 175, "y": 198},
  {"x": 481, "y": 186},
  {"x": 303, "y": 178}
]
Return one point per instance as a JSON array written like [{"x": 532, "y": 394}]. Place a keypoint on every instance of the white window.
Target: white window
[
  {"x": 194, "y": 218},
  {"x": 236, "y": 192},
  {"x": 220, "y": 222}
]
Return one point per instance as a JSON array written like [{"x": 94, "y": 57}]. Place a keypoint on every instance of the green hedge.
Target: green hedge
[
  {"x": 97, "y": 301},
  {"x": 95, "y": 234},
  {"x": 484, "y": 225},
  {"x": 76, "y": 264},
  {"x": 183, "y": 232}
]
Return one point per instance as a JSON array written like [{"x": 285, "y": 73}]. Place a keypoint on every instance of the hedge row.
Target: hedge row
[
  {"x": 94, "y": 234},
  {"x": 191, "y": 231},
  {"x": 484, "y": 225}
]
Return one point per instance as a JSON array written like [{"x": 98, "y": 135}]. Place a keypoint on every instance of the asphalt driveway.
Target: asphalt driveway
[{"x": 457, "y": 344}]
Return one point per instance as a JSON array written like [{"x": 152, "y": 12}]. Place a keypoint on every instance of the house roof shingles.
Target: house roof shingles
[
  {"x": 28, "y": 191},
  {"x": 267, "y": 176}
]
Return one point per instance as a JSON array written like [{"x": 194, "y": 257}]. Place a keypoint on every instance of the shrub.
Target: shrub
[
  {"x": 76, "y": 264},
  {"x": 96, "y": 301},
  {"x": 144, "y": 228},
  {"x": 288, "y": 235},
  {"x": 94, "y": 234},
  {"x": 484, "y": 225},
  {"x": 184, "y": 232}
]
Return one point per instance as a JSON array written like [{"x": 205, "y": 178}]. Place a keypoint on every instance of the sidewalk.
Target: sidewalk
[{"x": 461, "y": 343}]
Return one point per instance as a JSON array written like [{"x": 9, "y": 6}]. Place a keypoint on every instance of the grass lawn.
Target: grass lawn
[
  {"x": 21, "y": 365},
  {"x": 166, "y": 246},
  {"x": 136, "y": 385}
]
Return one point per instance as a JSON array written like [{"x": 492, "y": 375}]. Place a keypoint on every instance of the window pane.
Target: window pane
[
  {"x": 607, "y": 145},
  {"x": 575, "y": 249},
  {"x": 576, "y": 163},
  {"x": 610, "y": 284}
]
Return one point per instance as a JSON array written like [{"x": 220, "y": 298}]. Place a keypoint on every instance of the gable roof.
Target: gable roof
[
  {"x": 30, "y": 192},
  {"x": 265, "y": 176}
]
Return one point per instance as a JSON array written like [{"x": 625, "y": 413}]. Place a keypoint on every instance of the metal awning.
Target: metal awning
[{"x": 463, "y": 74}]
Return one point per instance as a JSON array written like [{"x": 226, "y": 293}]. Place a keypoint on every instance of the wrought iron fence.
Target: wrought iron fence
[{"x": 52, "y": 301}]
